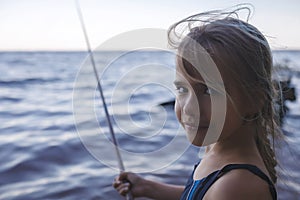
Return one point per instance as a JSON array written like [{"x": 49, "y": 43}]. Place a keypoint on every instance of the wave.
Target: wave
[
  {"x": 37, "y": 113},
  {"x": 11, "y": 99},
  {"x": 28, "y": 81},
  {"x": 42, "y": 159}
]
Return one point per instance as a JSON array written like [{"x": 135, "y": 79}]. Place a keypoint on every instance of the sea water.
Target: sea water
[{"x": 54, "y": 140}]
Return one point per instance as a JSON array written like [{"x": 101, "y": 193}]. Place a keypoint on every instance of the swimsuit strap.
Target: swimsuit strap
[{"x": 255, "y": 170}]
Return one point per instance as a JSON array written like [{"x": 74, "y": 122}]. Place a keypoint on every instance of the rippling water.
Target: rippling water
[{"x": 51, "y": 144}]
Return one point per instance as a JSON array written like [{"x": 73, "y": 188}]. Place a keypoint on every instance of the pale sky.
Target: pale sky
[{"x": 54, "y": 24}]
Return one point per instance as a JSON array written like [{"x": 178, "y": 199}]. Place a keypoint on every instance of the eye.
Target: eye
[
  {"x": 207, "y": 91},
  {"x": 181, "y": 90}
]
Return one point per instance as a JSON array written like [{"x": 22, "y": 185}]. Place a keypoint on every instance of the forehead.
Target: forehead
[
  {"x": 202, "y": 65},
  {"x": 196, "y": 72},
  {"x": 187, "y": 74},
  {"x": 211, "y": 75},
  {"x": 185, "y": 67}
]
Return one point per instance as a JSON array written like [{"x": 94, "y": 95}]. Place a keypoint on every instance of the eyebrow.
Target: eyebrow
[
  {"x": 183, "y": 83},
  {"x": 178, "y": 82}
]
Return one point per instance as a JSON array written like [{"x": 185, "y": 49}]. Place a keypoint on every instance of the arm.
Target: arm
[{"x": 141, "y": 187}]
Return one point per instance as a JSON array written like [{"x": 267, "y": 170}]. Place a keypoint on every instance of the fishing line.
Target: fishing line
[{"x": 108, "y": 120}]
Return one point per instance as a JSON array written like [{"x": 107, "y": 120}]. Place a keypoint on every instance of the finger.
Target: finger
[
  {"x": 123, "y": 176},
  {"x": 123, "y": 188},
  {"x": 116, "y": 184},
  {"x": 121, "y": 183},
  {"x": 116, "y": 178}
]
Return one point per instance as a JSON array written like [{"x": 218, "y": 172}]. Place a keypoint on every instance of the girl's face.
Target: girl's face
[{"x": 193, "y": 107}]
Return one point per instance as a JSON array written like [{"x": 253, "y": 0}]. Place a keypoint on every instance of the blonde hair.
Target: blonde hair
[{"x": 243, "y": 51}]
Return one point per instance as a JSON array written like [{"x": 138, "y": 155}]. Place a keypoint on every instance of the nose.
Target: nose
[{"x": 191, "y": 106}]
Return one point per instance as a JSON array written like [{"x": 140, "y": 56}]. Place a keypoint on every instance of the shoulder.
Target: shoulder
[{"x": 239, "y": 184}]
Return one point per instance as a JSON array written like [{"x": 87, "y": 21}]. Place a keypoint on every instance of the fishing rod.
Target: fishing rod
[{"x": 111, "y": 130}]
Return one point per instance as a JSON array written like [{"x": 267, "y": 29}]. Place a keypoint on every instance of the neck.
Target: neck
[{"x": 240, "y": 145}]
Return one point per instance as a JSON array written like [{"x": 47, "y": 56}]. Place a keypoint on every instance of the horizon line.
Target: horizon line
[{"x": 109, "y": 50}]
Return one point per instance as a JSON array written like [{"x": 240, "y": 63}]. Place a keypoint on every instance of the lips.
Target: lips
[{"x": 192, "y": 126}]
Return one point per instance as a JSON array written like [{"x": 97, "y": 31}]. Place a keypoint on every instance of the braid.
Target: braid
[
  {"x": 269, "y": 130},
  {"x": 267, "y": 153}
]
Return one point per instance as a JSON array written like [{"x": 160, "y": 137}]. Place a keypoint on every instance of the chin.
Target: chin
[
  {"x": 196, "y": 140},
  {"x": 197, "y": 143},
  {"x": 201, "y": 139}
]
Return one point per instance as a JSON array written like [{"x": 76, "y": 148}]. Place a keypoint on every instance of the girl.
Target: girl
[{"x": 239, "y": 162}]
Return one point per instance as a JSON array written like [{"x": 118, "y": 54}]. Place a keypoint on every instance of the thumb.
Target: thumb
[{"x": 124, "y": 176}]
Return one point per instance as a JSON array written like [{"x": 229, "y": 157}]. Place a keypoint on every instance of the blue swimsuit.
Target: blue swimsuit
[{"x": 196, "y": 189}]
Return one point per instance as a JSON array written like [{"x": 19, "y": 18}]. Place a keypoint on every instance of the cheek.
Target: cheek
[
  {"x": 204, "y": 109},
  {"x": 177, "y": 109},
  {"x": 233, "y": 122}
]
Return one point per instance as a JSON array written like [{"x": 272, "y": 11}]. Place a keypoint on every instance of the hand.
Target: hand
[{"x": 130, "y": 181}]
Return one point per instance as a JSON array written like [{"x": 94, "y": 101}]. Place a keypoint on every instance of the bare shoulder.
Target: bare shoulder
[{"x": 239, "y": 184}]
